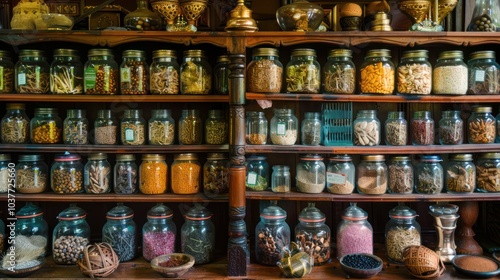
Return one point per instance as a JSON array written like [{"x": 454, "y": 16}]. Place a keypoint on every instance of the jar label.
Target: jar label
[
  {"x": 90, "y": 77},
  {"x": 1, "y": 78},
  {"x": 479, "y": 75},
  {"x": 129, "y": 135},
  {"x": 251, "y": 178},
  {"x": 21, "y": 79},
  {"x": 335, "y": 178},
  {"x": 281, "y": 128},
  {"x": 107, "y": 77},
  {"x": 125, "y": 75}
]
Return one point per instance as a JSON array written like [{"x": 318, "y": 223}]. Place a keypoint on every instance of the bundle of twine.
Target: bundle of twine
[
  {"x": 422, "y": 262},
  {"x": 98, "y": 260}
]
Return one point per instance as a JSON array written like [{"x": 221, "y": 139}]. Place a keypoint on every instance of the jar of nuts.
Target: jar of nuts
[
  {"x": 265, "y": 71},
  {"x": 134, "y": 73},
  {"x": 366, "y": 128},
  {"x": 488, "y": 172},
  {"x": 164, "y": 73},
  {"x": 66, "y": 174},
  {"x": 196, "y": 73},
  {"x": 303, "y": 72},
  {"x": 481, "y": 126},
  {"x": 486, "y": 16},
  {"x": 414, "y": 73},
  {"x": 460, "y": 174},
  {"x": 216, "y": 175},
  {"x": 46, "y": 126},
  {"x": 142, "y": 18},
  {"x": 272, "y": 235},
  {"x": 100, "y": 72},
  {"x": 70, "y": 236},
  {"x": 32, "y": 72},
  {"x": 377, "y": 72}
]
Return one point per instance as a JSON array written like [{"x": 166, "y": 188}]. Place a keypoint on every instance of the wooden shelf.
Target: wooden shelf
[
  {"x": 111, "y": 197},
  {"x": 112, "y": 149},
  {"x": 177, "y": 98}
]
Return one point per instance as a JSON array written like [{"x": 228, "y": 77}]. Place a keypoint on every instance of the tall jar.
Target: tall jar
[
  {"x": 310, "y": 174},
  {"x": 377, "y": 72},
  {"x": 414, "y": 73},
  {"x": 313, "y": 235},
  {"x": 66, "y": 72},
  {"x": 429, "y": 177},
  {"x": 100, "y": 72},
  {"x": 190, "y": 127},
  {"x": 272, "y": 235},
  {"x": 164, "y": 73},
  {"x": 196, "y": 73},
  {"x": 15, "y": 124},
  {"x": 31, "y": 228},
  {"x": 488, "y": 172},
  {"x": 125, "y": 174},
  {"x": 153, "y": 174},
  {"x": 484, "y": 73},
  {"x": 142, "y": 18},
  {"x": 97, "y": 174},
  {"x": 340, "y": 175},
  {"x": 185, "y": 174},
  {"x": 257, "y": 173},
  {"x": 32, "y": 174},
  {"x": 451, "y": 128},
  {"x": 216, "y": 175},
  {"x": 280, "y": 178},
  {"x": 366, "y": 128},
  {"x": 401, "y": 231},
  {"x": 396, "y": 129},
  {"x": 134, "y": 73},
  {"x": 221, "y": 75},
  {"x": 46, "y": 126},
  {"x": 75, "y": 127},
  {"x": 311, "y": 129},
  {"x": 133, "y": 128},
  {"x": 400, "y": 175},
  {"x": 481, "y": 126},
  {"x": 161, "y": 127},
  {"x": 354, "y": 232},
  {"x": 70, "y": 236},
  {"x": 303, "y": 72},
  {"x": 256, "y": 128},
  {"x": 265, "y": 71},
  {"x": 7, "y": 72},
  {"x": 105, "y": 128},
  {"x": 450, "y": 74},
  {"x": 486, "y": 16},
  {"x": 372, "y": 175},
  {"x": 7, "y": 173},
  {"x": 422, "y": 128},
  {"x": 120, "y": 231},
  {"x": 66, "y": 174},
  {"x": 284, "y": 127},
  {"x": 198, "y": 234},
  {"x": 339, "y": 72},
  {"x": 159, "y": 232},
  {"x": 32, "y": 72},
  {"x": 460, "y": 175},
  {"x": 216, "y": 128}
]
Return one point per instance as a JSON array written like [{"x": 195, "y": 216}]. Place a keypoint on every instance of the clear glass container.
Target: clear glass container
[
  {"x": 401, "y": 231},
  {"x": 401, "y": 175},
  {"x": 70, "y": 236},
  {"x": 32, "y": 72},
  {"x": 142, "y": 18},
  {"x": 161, "y": 127},
  {"x": 272, "y": 235},
  {"x": 66, "y": 72},
  {"x": 372, "y": 175},
  {"x": 198, "y": 234},
  {"x": 396, "y": 129},
  {"x": 164, "y": 73},
  {"x": 257, "y": 173},
  {"x": 101, "y": 72},
  {"x": 216, "y": 128},
  {"x": 97, "y": 174},
  {"x": 159, "y": 232},
  {"x": 31, "y": 229},
  {"x": 190, "y": 127},
  {"x": 185, "y": 174},
  {"x": 256, "y": 128},
  {"x": 414, "y": 73},
  {"x": 488, "y": 172},
  {"x": 75, "y": 127},
  {"x": 450, "y": 74},
  {"x": 46, "y": 126},
  {"x": 7, "y": 173},
  {"x": 15, "y": 124},
  {"x": 221, "y": 75},
  {"x": 153, "y": 174},
  {"x": 196, "y": 73},
  {"x": 377, "y": 72},
  {"x": 451, "y": 128},
  {"x": 6, "y": 72},
  {"x": 133, "y": 128},
  {"x": 484, "y": 73},
  {"x": 303, "y": 72},
  {"x": 105, "y": 128},
  {"x": 125, "y": 174},
  {"x": 66, "y": 174},
  {"x": 310, "y": 174},
  {"x": 486, "y": 16},
  {"x": 134, "y": 74},
  {"x": 216, "y": 175},
  {"x": 280, "y": 178},
  {"x": 311, "y": 129},
  {"x": 265, "y": 71},
  {"x": 460, "y": 174},
  {"x": 429, "y": 177},
  {"x": 299, "y": 15},
  {"x": 481, "y": 126},
  {"x": 339, "y": 72},
  {"x": 313, "y": 235},
  {"x": 366, "y": 128},
  {"x": 284, "y": 127},
  {"x": 32, "y": 174},
  {"x": 354, "y": 232},
  {"x": 120, "y": 231},
  {"x": 340, "y": 175},
  {"x": 422, "y": 128}
]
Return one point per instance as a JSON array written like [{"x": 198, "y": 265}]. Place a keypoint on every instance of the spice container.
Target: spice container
[
  {"x": 196, "y": 73},
  {"x": 120, "y": 232},
  {"x": 450, "y": 74},
  {"x": 97, "y": 174},
  {"x": 101, "y": 72},
  {"x": 488, "y": 172},
  {"x": 216, "y": 175},
  {"x": 366, "y": 128},
  {"x": 134, "y": 73},
  {"x": 422, "y": 128},
  {"x": 31, "y": 233},
  {"x": 190, "y": 127},
  {"x": 481, "y": 126},
  {"x": 429, "y": 175},
  {"x": 310, "y": 174},
  {"x": 401, "y": 231},
  {"x": 340, "y": 175},
  {"x": 125, "y": 174},
  {"x": 257, "y": 173},
  {"x": 164, "y": 73},
  {"x": 7, "y": 173},
  {"x": 70, "y": 236},
  {"x": 105, "y": 128},
  {"x": 7, "y": 70},
  {"x": 158, "y": 233},
  {"x": 221, "y": 75},
  {"x": 15, "y": 124},
  {"x": 32, "y": 72},
  {"x": 372, "y": 175},
  {"x": 142, "y": 18},
  {"x": 256, "y": 128},
  {"x": 339, "y": 72},
  {"x": 75, "y": 127},
  {"x": 451, "y": 128},
  {"x": 46, "y": 126},
  {"x": 485, "y": 17},
  {"x": 400, "y": 175},
  {"x": 280, "y": 178},
  {"x": 284, "y": 127},
  {"x": 66, "y": 72},
  {"x": 265, "y": 71},
  {"x": 216, "y": 128},
  {"x": 66, "y": 174},
  {"x": 313, "y": 235},
  {"x": 161, "y": 127},
  {"x": 396, "y": 129},
  {"x": 415, "y": 73},
  {"x": 303, "y": 72},
  {"x": 153, "y": 174},
  {"x": 354, "y": 232},
  {"x": 460, "y": 174},
  {"x": 272, "y": 235},
  {"x": 186, "y": 174},
  {"x": 484, "y": 73},
  {"x": 377, "y": 72},
  {"x": 133, "y": 128},
  {"x": 311, "y": 129},
  {"x": 32, "y": 174},
  {"x": 198, "y": 234}
]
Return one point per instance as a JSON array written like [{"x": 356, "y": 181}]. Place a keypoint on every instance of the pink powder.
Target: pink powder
[
  {"x": 155, "y": 244},
  {"x": 354, "y": 238}
]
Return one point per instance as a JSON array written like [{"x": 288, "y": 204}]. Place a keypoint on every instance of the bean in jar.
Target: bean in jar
[
  {"x": 303, "y": 73},
  {"x": 400, "y": 175},
  {"x": 46, "y": 126},
  {"x": 153, "y": 174},
  {"x": 367, "y": 128},
  {"x": 101, "y": 72},
  {"x": 134, "y": 73},
  {"x": 265, "y": 71},
  {"x": 185, "y": 174},
  {"x": 66, "y": 174},
  {"x": 313, "y": 235},
  {"x": 133, "y": 128}
]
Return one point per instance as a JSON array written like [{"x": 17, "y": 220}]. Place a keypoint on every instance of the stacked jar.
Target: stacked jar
[
  {"x": 451, "y": 128},
  {"x": 46, "y": 126},
  {"x": 133, "y": 128},
  {"x": 256, "y": 128},
  {"x": 340, "y": 175},
  {"x": 196, "y": 73},
  {"x": 400, "y": 175},
  {"x": 284, "y": 127},
  {"x": 313, "y": 235},
  {"x": 377, "y": 72},
  {"x": 134, "y": 73},
  {"x": 415, "y": 73},
  {"x": 66, "y": 72},
  {"x": 488, "y": 172},
  {"x": 396, "y": 129},
  {"x": 339, "y": 72},
  {"x": 153, "y": 174},
  {"x": 303, "y": 72},
  {"x": 310, "y": 174},
  {"x": 185, "y": 174},
  {"x": 158, "y": 233},
  {"x": 429, "y": 177},
  {"x": 97, "y": 174},
  {"x": 265, "y": 71},
  {"x": 66, "y": 174},
  {"x": 161, "y": 127},
  {"x": 120, "y": 232},
  {"x": 164, "y": 73},
  {"x": 125, "y": 174},
  {"x": 481, "y": 126},
  {"x": 450, "y": 74},
  {"x": 32, "y": 174},
  {"x": 366, "y": 128},
  {"x": 7, "y": 70},
  {"x": 70, "y": 236},
  {"x": 101, "y": 72},
  {"x": 105, "y": 128},
  {"x": 372, "y": 175},
  {"x": 32, "y": 72},
  {"x": 75, "y": 127},
  {"x": 272, "y": 235},
  {"x": 460, "y": 174},
  {"x": 15, "y": 125}
]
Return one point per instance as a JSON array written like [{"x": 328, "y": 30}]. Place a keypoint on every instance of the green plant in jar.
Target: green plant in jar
[{"x": 303, "y": 72}]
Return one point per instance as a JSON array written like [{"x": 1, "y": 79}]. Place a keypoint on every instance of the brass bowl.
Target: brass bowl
[
  {"x": 444, "y": 9},
  {"x": 417, "y": 10},
  {"x": 193, "y": 9},
  {"x": 168, "y": 9}
]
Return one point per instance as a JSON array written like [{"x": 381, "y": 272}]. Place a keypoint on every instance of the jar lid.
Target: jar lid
[
  {"x": 353, "y": 212},
  {"x": 443, "y": 209},
  {"x": 372, "y": 157},
  {"x": 451, "y": 54},
  {"x": 132, "y": 113},
  {"x": 311, "y": 157},
  {"x": 255, "y": 114},
  {"x": 402, "y": 212},
  {"x": 188, "y": 112},
  {"x": 430, "y": 158},
  {"x": 5, "y": 54},
  {"x": 482, "y": 55},
  {"x": 367, "y": 112},
  {"x": 26, "y": 53},
  {"x": 133, "y": 53},
  {"x": 160, "y": 211},
  {"x": 303, "y": 52},
  {"x": 215, "y": 113},
  {"x": 395, "y": 115},
  {"x": 4, "y": 157},
  {"x": 447, "y": 114},
  {"x": 481, "y": 109},
  {"x": 45, "y": 110},
  {"x": 153, "y": 157},
  {"x": 342, "y": 158},
  {"x": 461, "y": 157},
  {"x": 312, "y": 115},
  {"x": 400, "y": 158},
  {"x": 421, "y": 114},
  {"x": 378, "y": 53},
  {"x": 161, "y": 113},
  {"x": 65, "y": 52},
  {"x": 73, "y": 212},
  {"x": 194, "y": 53},
  {"x": 198, "y": 212},
  {"x": 416, "y": 54},
  {"x": 104, "y": 114},
  {"x": 311, "y": 214},
  {"x": 15, "y": 106},
  {"x": 75, "y": 113},
  {"x": 97, "y": 156},
  {"x": 265, "y": 52},
  {"x": 29, "y": 210},
  {"x": 283, "y": 112},
  {"x": 102, "y": 52},
  {"x": 490, "y": 155},
  {"x": 340, "y": 53},
  {"x": 30, "y": 157},
  {"x": 119, "y": 212},
  {"x": 186, "y": 156},
  {"x": 223, "y": 58},
  {"x": 273, "y": 212},
  {"x": 164, "y": 53},
  {"x": 125, "y": 157},
  {"x": 284, "y": 168},
  {"x": 213, "y": 156},
  {"x": 67, "y": 157}
]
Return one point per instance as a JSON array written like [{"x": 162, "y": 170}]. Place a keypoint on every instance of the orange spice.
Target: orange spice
[
  {"x": 476, "y": 263},
  {"x": 377, "y": 78},
  {"x": 153, "y": 174},
  {"x": 186, "y": 174}
]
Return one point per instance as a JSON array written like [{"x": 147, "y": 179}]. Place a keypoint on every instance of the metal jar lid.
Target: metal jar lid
[
  {"x": 303, "y": 52},
  {"x": 164, "y": 53},
  {"x": 416, "y": 54},
  {"x": 265, "y": 52},
  {"x": 65, "y": 52},
  {"x": 373, "y": 158},
  {"x": 481, "y": 109},
  {"x": 125, "y": 157},
  {"x": 100, "y": 52},
  {"x": 155, "y": 157},
  {"x": 378, "y": 53},
  {"x": 461, "y": 157},
  {"x": 451, "y": 55},
  {"x": 340, "y": 53},
  {"x": 482, "y": 55}
]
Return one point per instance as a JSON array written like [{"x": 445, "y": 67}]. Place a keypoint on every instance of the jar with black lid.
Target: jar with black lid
[
  {"x": 340, "y": 175},
  {"x": 339, "y": 72},
  {"x": 484, "y": 73},
  {"x": 450, "y": 74},
  {"x": 422, "y": 128},
  {"x": 481, "y": 126},
  {"x": 377, "y": 72},
  {"x": 429, "y": 177},
  {"x": 198, "y": 234},
  {"x": 134, "y": 73},
  {"x": 311, "y": 129},
  {"x": 164, "y": 73},
  {"x": 46, "y": 126},
  {"x": 32, "y": 72},
  {"x": 126, "y": 174},
  {"x": 256, "y": 128},
  {"x": 120, "y": 231},
  {"x": 460, "y": 174},
  {"x": 158, "y": 233},
  {"x": 75, "y": 127},
  {"x": 272, "y": 235},
  {"x": 414, "y": 73},
  {"x": 216, "y": 175},
  {"x": 216, "y": 128},
  {"x": 303, "y": 72},
  {"x": 101, "y": 72},
  {"x": 32, "y": 174},
  {"x": 372, "y": 175},
  {"x": 196, "y": 73},
  {"x": 7, "y": 173},
  {"x": 401, "y": 231},
  {"x": 70, "y": 236},
  {"x": 400, "y": 175},
  {"x": 133, "y": 128},
  {"x": 190, "y": 127},
  {"x": 32, "y": 230},
  {"x": 396, "y": 129},
  {"x": 488, "y": 172},
  {"x": 66, "y": 174},
  {"x": 313, "y": 235},
  {"x": 257, "y": 173},
  {"x": 15, "y": 124},
  {"x": 97, "y": 174},
  {"x": 66, "y": 72},
  {"x": 7, "y": 72},
  {"x": 105, "y": 128},
  {"x": 265, "y": 71},
  {"x": 451, "y": 128},
  {"x": 284, "y": 127},
  {"x": 366, "y": 128},
  {"x": 161, "y": 127},
  {"x": 221, "y": 75},
  {"x": 310, "y": 174}
]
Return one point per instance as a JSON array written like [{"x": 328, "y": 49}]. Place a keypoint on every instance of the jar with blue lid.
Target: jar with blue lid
[
  {"x": 257, "y": 173},
  {"x": 272, "y": 235},
  {"x": 429, "y": 176},
  {"x": 70, "y": 236},
  {"x": 120, "y": 232}
]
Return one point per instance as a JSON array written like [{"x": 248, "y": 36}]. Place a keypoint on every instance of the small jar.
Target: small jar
[
  {"x": 354, "y": 232},
  {"x": 101, "y": 72},
  {"x": 7, "y": 173},
  {"x": 488, "y": 172},
  {"x": 484, "y": 73},
  {"x": 311, "y": 129},
  {"x": 280, "y": 179},
  {"x": 340, "y": 175},
  {"x": 190, "y": 127},
  {"x": 429, "y": 177},
  {"x": 164, "y": 73},
  {"x": 265, "y": 71},
  {"x": 32, "y": 72},
  {"x": 257, "y": 173},
  {"x": 7, "y": 70},
  {"x": 481, "y": 126},
  {"x": 339, "y": 72},
  {"x": 303, "y": 72},
  {"x": 158, "y": 233},
  {"x": 401, "y": 231},
  {"x": 216, "y": 175},
  {"x": 105, "y": 128},
  {"x": 196, "y": 73},
  {"x": 142, "y": 18},
  {"x": 153, "y": 174},
  {"x": 70, "y": 236},
  {"x": 313, "y": 235},
  {"x": 221, "y": 75},
  {"x": 396, "y": 129},
  {"x": 256, "y": 128},
  {"x": 366, "y": 128},
  {"x": 284, "y": 126},
  {"x": 377, "y": 72},
  {"x": 161, "y": 127},
  {"x": 125, "y": 174},
  {"x": 75, "y": 127},
  {"x": 120, "y": 231},
  {"x": 310, "y": 174},
  {"x": 414, "y": 73},
  {"x": 66, "y": 174},
  {"x": 198, "y": 234},
  {"x": 451, "y": 128},
  {"x": 15, "y": 124},
  {"x": 272, "y": 235},
  {"x": 32, "y": 230},
  {"x": 372, "y": 175},
  {"x": 66, "y": 72},
  {"x": 133, "y": 128},
  {"x": 185, "y": 174},
  {"x": 97, "y": 174},
  {"x": 400, "y": 175},
  {"x": 134, "y": 73},
  {"x": 216, "y": 128},
  {"x": 46, "y": 126},
  {"x": 450, "y": 74},
  {"x": 460, "y": 174},
  {"x": 422, "y": 128},
  {"x": 32, "y": 174}
]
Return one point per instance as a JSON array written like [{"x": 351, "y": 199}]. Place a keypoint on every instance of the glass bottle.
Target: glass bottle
[
  {"x": 133, "y": 128},
  {"x": 313, "y": 235},
  {"x": 450, "y": 74},
  {"x": 400, "y": 175},
  {"x": 460, "y": 175},
  {"x": 486, "y": 16},
  {"x": 372, "y": 175},
  {"x": 6, "y": 72},
  {"x": 105, "y": 128},
  {"x": 196, "y": 73},
  {"x": 401, "y": 231},
  {"x": 354, "y": 232},
  {"x": 339, "y": 72},
  {"x": 488, "y": 172},
  {"x": 256, "y": 128},
  {"x": 125, "y": 174},
  {"x": 190, "y": 127},
  {"x": 303, "y": 72},
  {"x": 265, "y": 71},
  {"x": 7, "y": 173},
  {"x": 396, "y": 129},
  {"x": 366, "y": 128},
  {"x": 100, "y": 72},
  {"x": 272, "y": 235},
  {"x": 216, "y": 175},
  {"x": 185, "y": 174},
  {"x": 310, "y": 174},
  {"x": 257, "y": 173},
  {"x": 481, "y": 126},
  {"x": 66, "y": 174},
  {"x": 15, "y": 124},
  {"x": 284, "y": 126},
  {"x": 340, "y": 175},
  {"x": 280, "y": 178},
  {"x": 134, "y": 73},
  {"x": 429, "y": 177},
  {"x": 153, "y": 174},
  {"x": 97, "y": 174},
  {"x": 221, "y": 75},
  {"x": 161, "y": 127},
  {"x": 66, "y": 72},
  {"x": 120, "y": 231},
  {"x": 142, "y": 18},
  {"x": 311, "y": 129},
  {"x": 46, "y": 126},
  {"x": 164, "y": 73},
  {"x": 414, "y": 73},
  {"x": 31, "y": 228},
  {"x": 451, "y": 128},
  {"x": 422, "y": 128},
  {"x": 159, "y": 232},
  {"x": 198, "y": 234},
  {"x": 70, "y": 236},
  {"x": 377, "y": 72},
  {"x": 75, "y": 127},
  {"x": 484, "y": 73},
  {"x": 32, "y": 72},
  {"x": 32, "y": 174},
  {"x": 216, "y": 128}
]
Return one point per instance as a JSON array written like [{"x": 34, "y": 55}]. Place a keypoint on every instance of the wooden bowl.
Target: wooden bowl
[
  {"x": 354, "y": 272},
  {"x": 172, "y": 265}
]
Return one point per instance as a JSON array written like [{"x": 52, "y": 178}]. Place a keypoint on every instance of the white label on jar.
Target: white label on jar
[
  {"x": 281, "y": 128},
  {"x": 479, "y": 75},
  {"x": 335, "y": 178},
  {"x": 21, "y": 79},
  {"x": 129, "y": 134},
  {"x": 251, "y": 178},
  {"x": 125, "y": 75}
]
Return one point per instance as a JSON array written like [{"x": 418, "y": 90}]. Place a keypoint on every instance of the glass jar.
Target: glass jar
[
  {"x": 340, "y": 175},
  {"x": 303, "y": 72},
  {"x": 256, "y": 128},
  {"x": 488, "y": 172},
  {"x": 31, "y": 229},
  {"x": 120, "y": 232},
  {"x": 401, "y": 231},
  {"x": 311, "y": 129},
  {"x": 265, "y": 71},
  {"x": 133, "y": 128},
  {"x": 429, "y": 175},
  {"x": 105, "y": 128},
  {"x": 134, "y": 73},
  {"x": 257, "y": 173},
  {"x": 216, "y": 175},
  {"x": 451, "y": 128},
  {"x": 185, "y": 174},
  {"x": 372, "y": 175},
  {"x": 422, "y": 128},
  {"x": 415, "y": 73},
  {"x": 216, "y": 128},
  {"x": 190, "y": 127},
  {"x": 2, "y": 236},
  {"x": 153, "y": 174},
  {"x": 46, "y": 126},
  {"x": 484, "y": 73},
  {"x": 280, "y": 178},
  {"x": 142, "y": 18},
  {"x": 221, "y": 75},
  {"x": 75, "y": 127},
  {"x": 66, "y": 72},
  {"x": 400, "y": 175},
  {"x": 198, "y": 234},
  {"x": 396, "y": 129},
  {"x": 354, "y": 232},
  {"x": 460, "y": 174},
  {"x": 7, "y": 72},
  {"x": 158, "y": 233},
  {"x": 101, "y": 72},
  {"x": 272, "y": 235},
  {"x": 164, "y": 73},
  {"x": 32, "y": 72},
  {"x": 313, "y": 235},
  {"x": 15, "y": 124},
  {"x": 125, "y": 174},
  {"x": 450, "y": 74},
  {"x": 7, "y": 173},
  {"x": 32, "y": 174},
  {"x": 339, "y": 72},
  {"x": 377, "y": 72},
  {"x": 481, "y": 126},
  {"x": 486, "y": 16},
  {"x": 161, "y": 127},
  {"x": 196, "y": 73},
  {"x": 97, "y": 174},
  {"x": 70, "y": 236},
  {"x": 366, "y": 128},
  {"x": 310, "y": 174},
  {"x": 284, "y": 126},
  {"x": 66, "y": 174}
]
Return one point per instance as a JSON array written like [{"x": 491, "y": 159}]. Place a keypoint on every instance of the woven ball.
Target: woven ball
[
  {"x": 422, "y": 262},
  {"x": 98, "y": 260}
]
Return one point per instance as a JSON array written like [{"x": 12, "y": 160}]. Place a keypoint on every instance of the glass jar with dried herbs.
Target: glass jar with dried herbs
[
  {"x": 339, "y": 72},
  {"x": 460, "y": 175},
  {"x": 451, "y": 128},
  {"x": 126, "y": 174},
  {"x": 396, "y": 129},
  {"x": 120, "y": 231},
  {"x": 429, "y": 176},
  {"x": 190, "y": 127},
  {"x": 161, "y": 127},
  {"x": 46, "y": 126},
  {"x": 32, "y": 174},
  {"x": 7, "y": 70},
  {"x": 481, "y": 125},
  {"x": 97, "y": 174},
  {"x": 75, "y": 127},
  {"x": 32, "y": 72},
  {"x": 216, "y": 128},
  {"x": 284, "y": 127},
  {"x": 256, "y": 128},
  {"x": 303, "y": 72},
  {"x": 216, "y": 175},
  {"x": 488, "y": 172},
  {"x": 101, "y": 72},
  {"x": 272, "y": 235},
  {"x": 164, "y": 73},
  {"x": 133, "y": 128},
  {"x": 265, "y": 71},
  {"x": 198, "y": 234},
  {"x": 484, "y": 73},
  {"x": 422, "y": 128},
  {"x": 66, "y": 72},
  {"x": 105, "y": 128},
  {"x": 311, "y": 129},
  {"x": 400, "y": 175},
  {"x": 134, "y": 73},
  {"x": 414, "y": 73},
  {"x": 196, "y": 73},
  {"x": 257, "y": 173},
  {"x": 401, "y": 231},
  {"x": 15, "y": 124},
  {"x": 221, "y": 75}
]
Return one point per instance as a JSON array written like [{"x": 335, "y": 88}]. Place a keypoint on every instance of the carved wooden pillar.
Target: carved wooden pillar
[{"x": 464, "y": 235}]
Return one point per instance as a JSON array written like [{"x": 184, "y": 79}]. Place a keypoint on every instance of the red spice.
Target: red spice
[
  {"x": 155, "y": 244},
  {"x": 476, "y": 263},
  {"x": 422, "y": 132},
  {"x": 172, "y": 262},
  {"x": 354, "y": 238}
]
